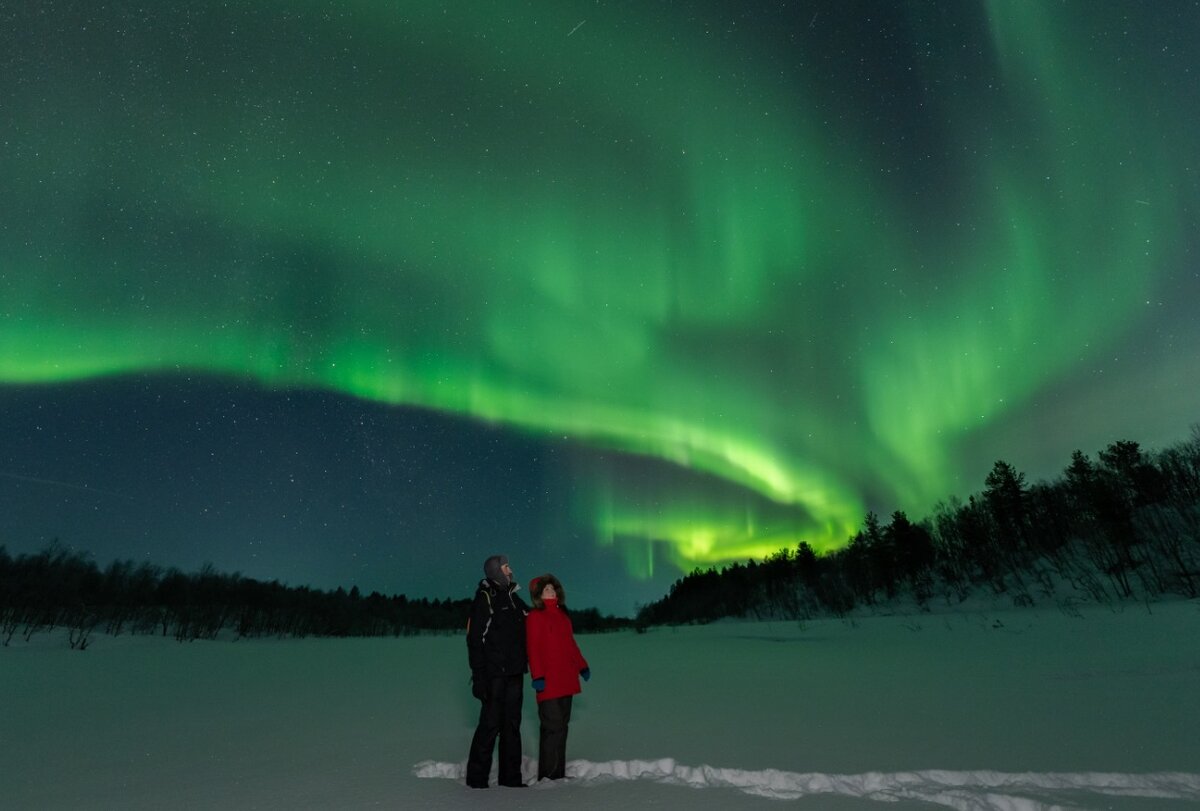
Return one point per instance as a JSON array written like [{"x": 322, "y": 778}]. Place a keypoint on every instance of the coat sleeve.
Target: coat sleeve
[
  {"x": 477, "y": 628},
  {"x": 535, "y": 646}
]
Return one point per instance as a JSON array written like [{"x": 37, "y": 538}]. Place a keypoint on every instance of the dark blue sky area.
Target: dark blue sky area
[{"x": 305, "y": 487}]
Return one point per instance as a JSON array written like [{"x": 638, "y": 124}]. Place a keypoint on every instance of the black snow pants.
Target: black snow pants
[
  {"x": 555, "y": 715},
  {"x": 500, "y": 716}
]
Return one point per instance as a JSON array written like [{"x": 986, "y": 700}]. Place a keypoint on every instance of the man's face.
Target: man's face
[{"x": 507, "y": 571}]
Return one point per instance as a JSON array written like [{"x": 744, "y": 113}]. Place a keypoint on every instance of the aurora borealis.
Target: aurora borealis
[{"x": 742, "y": 273}]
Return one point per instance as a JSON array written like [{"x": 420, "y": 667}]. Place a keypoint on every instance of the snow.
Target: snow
[
  {"x": 959, "y": 790},
  {"x": 1028, "y": 710}
]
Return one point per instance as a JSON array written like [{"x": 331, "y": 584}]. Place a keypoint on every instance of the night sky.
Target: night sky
[{"x": 363, "y": 292}]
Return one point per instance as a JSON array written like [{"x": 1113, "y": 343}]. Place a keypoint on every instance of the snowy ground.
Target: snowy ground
[{"x": 1016, "y": 710}]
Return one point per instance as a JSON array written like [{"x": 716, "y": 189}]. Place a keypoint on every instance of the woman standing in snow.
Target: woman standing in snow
[{"x": 556, "y": 666}]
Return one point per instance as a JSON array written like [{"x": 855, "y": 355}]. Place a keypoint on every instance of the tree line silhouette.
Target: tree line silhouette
[
  {"x": 1125, "y": 526},
  {"x": 59, "y": 588}
]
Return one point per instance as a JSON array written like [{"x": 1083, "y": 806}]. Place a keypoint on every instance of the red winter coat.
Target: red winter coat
[{"x": 553, "y": 654}]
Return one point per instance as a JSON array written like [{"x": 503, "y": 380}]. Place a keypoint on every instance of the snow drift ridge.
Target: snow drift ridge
[{"x": 961, "y": 790}]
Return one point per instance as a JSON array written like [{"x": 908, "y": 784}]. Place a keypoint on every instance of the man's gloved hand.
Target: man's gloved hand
[{"x": 479, "y": 686}]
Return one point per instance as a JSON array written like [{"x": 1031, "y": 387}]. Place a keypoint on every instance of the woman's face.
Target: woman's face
[{"x": 548, "y": 592}]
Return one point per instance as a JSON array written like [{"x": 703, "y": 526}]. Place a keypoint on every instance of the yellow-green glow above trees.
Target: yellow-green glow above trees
[{"x": 640, "y": 233}]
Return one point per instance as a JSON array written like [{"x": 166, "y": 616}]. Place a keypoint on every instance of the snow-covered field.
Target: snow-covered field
[{"x": 1018, "y": 710}]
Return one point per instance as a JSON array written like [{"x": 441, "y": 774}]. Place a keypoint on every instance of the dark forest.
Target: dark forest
[{"x": 1123, "y": 527}]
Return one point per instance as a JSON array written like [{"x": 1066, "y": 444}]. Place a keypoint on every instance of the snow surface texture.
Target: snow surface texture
[
  {"x": 1013, "y": 710},
  {"x": 963, "y": 791}
]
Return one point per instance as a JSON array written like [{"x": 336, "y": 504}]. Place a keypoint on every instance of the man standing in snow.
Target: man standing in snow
[{"x": 496, "y": 652}]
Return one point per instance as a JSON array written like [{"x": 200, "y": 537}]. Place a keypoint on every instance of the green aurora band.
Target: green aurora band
[{"x": 633, "y": 235}]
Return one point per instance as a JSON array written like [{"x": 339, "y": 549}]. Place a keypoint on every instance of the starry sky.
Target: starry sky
[{"x": 363, "y": 292}]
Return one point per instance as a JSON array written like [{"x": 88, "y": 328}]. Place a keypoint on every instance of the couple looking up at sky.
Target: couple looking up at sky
[{"x": 506, "y": 639}]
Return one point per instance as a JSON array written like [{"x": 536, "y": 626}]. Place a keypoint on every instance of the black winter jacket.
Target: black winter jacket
[{"x": 496, "y": 631}]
